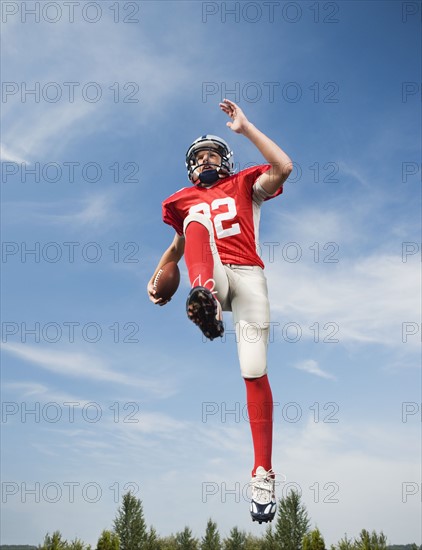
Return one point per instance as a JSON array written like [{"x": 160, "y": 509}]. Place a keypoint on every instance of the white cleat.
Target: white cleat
[{"x": 263, "y": 503}]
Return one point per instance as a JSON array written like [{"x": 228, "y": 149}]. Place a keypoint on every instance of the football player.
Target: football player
[{"x": 216, "y": 223}]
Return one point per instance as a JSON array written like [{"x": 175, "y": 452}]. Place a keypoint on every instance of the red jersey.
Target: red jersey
[{"x": 233, "y": 205}]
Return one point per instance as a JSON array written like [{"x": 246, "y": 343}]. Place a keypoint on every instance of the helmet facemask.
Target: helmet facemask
[{"x": 216, "y": 171}]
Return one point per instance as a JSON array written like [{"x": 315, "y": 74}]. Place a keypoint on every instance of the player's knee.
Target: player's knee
[
  {"x": 198, "y": 218},
  {"x": 252, "y": 348},
  {"x": 253, "y": 369}
]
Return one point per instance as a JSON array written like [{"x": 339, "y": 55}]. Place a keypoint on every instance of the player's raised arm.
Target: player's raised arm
[
  {"x": 173, "y": 254},
  {"x": 281, "y": 164}
]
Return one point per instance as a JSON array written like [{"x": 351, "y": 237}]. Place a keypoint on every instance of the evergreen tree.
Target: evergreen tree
[
  {"x": 236, "y": 540},
  {"x": 253, "y": 543},
  {"x": 54, "y": 542},
  {"x": 129, "y": 524},
  {"x": 313, "y": 541},
  {"x": 292, "y": 522},
  {"x": 370, "y": 541},
  {"x": 108, "y": 541},
  {"x": 211, "y": 540},
  {"x": 343, "y": 544},
  {"x": 168, "y": 543},
  {"x": 269, "y": 542},
  {"x": 152, "y": 542},
  {"x": 185, "y": 540}
]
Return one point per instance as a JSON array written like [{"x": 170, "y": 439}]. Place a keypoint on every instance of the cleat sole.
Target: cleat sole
[{"x": 201, "y": 309}]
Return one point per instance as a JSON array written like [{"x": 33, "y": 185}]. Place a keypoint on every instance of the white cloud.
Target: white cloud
[
  {"x": 370, "y": 297},
  {"x": 98, "y": 211},
  {"x": 35, "y": 130},
  {"x": 355, "y": 173},
  {"x": 356, "y": 476},
  {"x": 81, "y": 365},
  {"x": 312, "y": 225},
  {"x": 26, "y": 389},
  {"x": 311, "y": 366},
  {"x": 37, "y": 127},
  {"x": 95, "y": 210},
  {"x": 6, "y": 155},
  {"x": 43, "y": 394}
]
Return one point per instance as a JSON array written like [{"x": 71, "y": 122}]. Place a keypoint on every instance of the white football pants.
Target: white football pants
[{"x": 242, "y": 289}]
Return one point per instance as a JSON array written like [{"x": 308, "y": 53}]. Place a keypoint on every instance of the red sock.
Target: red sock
[
  {"x": 260, "y": 412},
  {"x": 198, "y": 256}
]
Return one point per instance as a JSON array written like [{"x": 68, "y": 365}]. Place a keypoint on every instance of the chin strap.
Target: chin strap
[{"x": 208, "y": 176}]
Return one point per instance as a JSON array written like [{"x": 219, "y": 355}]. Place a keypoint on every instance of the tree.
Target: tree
[
  {"x": 54, "y": 542},
  {"x": 370, "y": 541},
  {"x": 313, "y": 541},
  {"x": 292, "y": 522},
  {"x": 129, "y": 523},
  {"x": 343, "y": 544},
  {"x": 269, "y": 542},
  {"x": 253, "y": 543},
  {"x": 168, "y": 543},
  {"x": 211, "y": 540},
  {"x": 236, "y": 540},
  {"x": 185, "y": 540},
  {"x": 108, "y": 541},
  {"x": 153, "y": 542}
]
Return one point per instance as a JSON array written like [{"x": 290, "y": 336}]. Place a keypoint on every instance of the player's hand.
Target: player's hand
[
  {"x": 239, "y": 122},
  {"x": 151, "y": 294}
]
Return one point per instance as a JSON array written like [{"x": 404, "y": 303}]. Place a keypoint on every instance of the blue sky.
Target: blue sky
[{"x": 125, "y": 395}]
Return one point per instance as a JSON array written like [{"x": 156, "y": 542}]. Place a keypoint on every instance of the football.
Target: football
[{"x": 167, "y": 280}]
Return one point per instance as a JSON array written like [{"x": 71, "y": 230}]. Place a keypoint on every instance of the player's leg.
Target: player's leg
[
  {"x": 260, "y": 411},
  {"x": 251, "y": 316},
  {"x": 207, "y": 276},
  {"x": 252, "y": 321}
]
